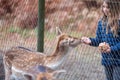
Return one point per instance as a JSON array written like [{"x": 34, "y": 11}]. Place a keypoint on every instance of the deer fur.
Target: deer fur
[
  {"x": 46, "y": 73},
  {"x": 19, "y": 60}
]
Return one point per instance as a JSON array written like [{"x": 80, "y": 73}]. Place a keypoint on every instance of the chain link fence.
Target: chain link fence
[
  {"x": 74, "y": 17},
  {"x": 2, "y": 76}
]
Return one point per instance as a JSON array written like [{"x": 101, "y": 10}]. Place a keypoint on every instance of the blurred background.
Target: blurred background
[{"x": 18, "y": 27}]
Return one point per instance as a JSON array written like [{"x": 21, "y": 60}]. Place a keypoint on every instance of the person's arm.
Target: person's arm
[
  {"x": 95, "y": 41},
  {"x": 115, "y": 48}
]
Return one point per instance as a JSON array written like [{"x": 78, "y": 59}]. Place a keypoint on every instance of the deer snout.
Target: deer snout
[{"x": 75, "y": 42}]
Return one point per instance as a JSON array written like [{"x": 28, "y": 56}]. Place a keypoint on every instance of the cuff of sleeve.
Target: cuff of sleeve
[{"x": 91, "y": 42}]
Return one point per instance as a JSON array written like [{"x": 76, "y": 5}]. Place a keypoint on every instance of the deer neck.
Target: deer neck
[
  {"x": 60, "y": 51},
  {"x": 55, "y": 59}
]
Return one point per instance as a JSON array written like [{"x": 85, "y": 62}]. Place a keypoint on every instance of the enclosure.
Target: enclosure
[{"x": 18, "y": 27}]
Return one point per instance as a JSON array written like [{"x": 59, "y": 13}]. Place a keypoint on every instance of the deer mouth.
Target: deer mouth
[{"x": 75, "y": 43}]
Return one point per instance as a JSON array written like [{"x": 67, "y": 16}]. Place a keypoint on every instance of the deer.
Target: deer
[
  {"x": 43, "y": 73},
  {"x": 19, "y": 60},
  {"x": 46, "y": 73}
]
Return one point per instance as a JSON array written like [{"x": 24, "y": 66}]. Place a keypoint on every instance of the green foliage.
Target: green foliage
[
  {"x": 50, "y": 35},
  {"x": 14, "y": 30},
  {"x": 23, "y": 32},
  {"x": 36, "y": 31}
]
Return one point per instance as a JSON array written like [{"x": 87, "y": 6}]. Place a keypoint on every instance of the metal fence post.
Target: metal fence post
[{"x": 41, "y": 16}]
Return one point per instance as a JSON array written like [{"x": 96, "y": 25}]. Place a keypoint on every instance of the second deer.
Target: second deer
[{"x": 43, "y": 73}]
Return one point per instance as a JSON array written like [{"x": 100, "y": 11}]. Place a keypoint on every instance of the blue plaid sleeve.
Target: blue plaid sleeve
[
  {"x": 95, "y": 41},
  {"x": 115, "y": 48}
]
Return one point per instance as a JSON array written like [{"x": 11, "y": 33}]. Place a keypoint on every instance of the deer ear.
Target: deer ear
[{"x": 58, "y": 31}]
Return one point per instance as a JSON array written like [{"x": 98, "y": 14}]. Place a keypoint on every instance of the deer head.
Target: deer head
[
  {"x": 46, "y": 74},
  {"x": 66, "y": 40},
  {"x": 49, "y": 76}
]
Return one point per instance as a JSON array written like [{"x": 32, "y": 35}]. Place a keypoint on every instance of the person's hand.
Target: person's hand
[
  {"x": 85, "y": 40},
  {"x": 104, "y": 47}
]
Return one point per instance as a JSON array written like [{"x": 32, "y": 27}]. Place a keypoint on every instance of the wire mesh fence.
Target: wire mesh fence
[
  {"x": 75, "y": 17},
  {"x": 2, "y": 75}
]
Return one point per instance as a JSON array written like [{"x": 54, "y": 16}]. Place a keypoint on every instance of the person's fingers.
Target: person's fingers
[{"x": 84, "y": 39}]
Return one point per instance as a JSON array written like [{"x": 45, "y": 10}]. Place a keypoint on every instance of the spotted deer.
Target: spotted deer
[{"x": 20, "y": 60}]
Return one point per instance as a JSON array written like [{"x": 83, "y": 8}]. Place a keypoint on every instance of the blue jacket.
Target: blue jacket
[{"x": 112, "y": 58}]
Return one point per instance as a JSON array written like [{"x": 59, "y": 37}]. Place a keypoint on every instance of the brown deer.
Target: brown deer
[{"x": 20, "y": 60}]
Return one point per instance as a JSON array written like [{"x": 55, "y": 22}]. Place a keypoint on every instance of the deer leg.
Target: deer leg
[
  {"x": 7, "y": 74},
  {"x": 7, "y": 68}
]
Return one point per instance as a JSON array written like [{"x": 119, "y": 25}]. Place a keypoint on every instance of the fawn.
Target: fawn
[{"x": 19, "y": 60}]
